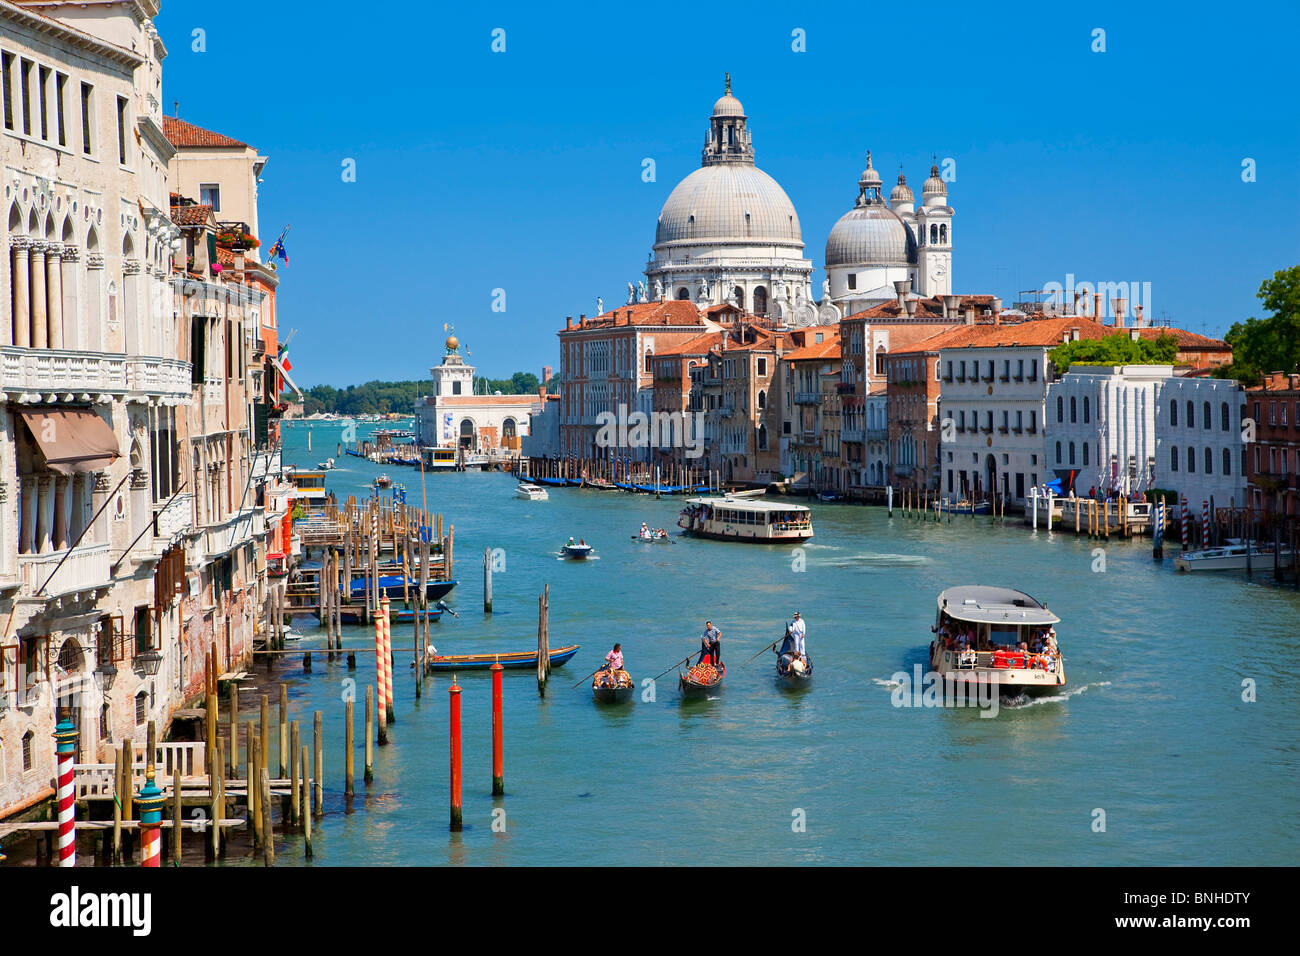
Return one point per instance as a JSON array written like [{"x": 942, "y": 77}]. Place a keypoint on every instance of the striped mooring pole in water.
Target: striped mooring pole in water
[
  {"x": 1205, "y": 523},
  {"x": 1184, "y": 505},
  {"x": 498, "y": 768},
  {"x": 150, "y": 801},
  {"x": 65, "y": 736}
]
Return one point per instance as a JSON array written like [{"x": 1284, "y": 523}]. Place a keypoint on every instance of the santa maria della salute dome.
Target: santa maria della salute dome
[{"x": 729, "y": 233}]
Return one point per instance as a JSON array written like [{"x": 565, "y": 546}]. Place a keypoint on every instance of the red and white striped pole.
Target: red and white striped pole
[
  {"x": 381, "y": 692},
  {"x": 1205, "y": 523},
  {"x": 453, "y": 692},
  {"x": 65, "y": 736},
  {"x": 150, "y": 801},
  {"x": 1185, "y": 518},
  {"x": 388, "y": 656}
]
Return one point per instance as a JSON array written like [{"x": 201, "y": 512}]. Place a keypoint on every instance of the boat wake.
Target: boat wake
[
  {"x": 877, "y": 561},
  {"x": 1024, "y": 700},
  {"x": 889, "y": 684}
]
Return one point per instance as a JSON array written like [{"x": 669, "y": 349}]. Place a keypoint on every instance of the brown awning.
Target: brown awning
[{"x": 73, "y": 440}]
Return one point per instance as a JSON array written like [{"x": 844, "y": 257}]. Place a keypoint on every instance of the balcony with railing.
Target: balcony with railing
[
  {"x": 157, "y": 377},
  {"x": 172, "y": 518},
  {"x": 265, "y": 463},
  {"x": 213, "y": 392},
  {"x": 59, "y": 373},
  {"x": 854, "y": 434},
  {"x": 86, "y": 569},
  {"x": 807, "y": 398},
  {"x": 877, "y": 434},
  {"x": 222, "y": 537}
]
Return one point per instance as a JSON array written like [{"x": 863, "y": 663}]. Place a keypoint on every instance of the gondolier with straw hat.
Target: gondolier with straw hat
[{"x": 797, "y": 629}]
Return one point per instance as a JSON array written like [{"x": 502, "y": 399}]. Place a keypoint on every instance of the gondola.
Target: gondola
[
  {"x": 391, "y": 586},
  {"x": 611, "y": 688},
  {"x": 701, "y": 680},
  {"x": 516, "y": 660}
]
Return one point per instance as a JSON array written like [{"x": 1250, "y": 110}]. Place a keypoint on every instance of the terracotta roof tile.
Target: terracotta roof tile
[
  {"x": 195, "y": 215},
  {"x": 182, "y": 134},
  {"x": 1186, "y": 340},
  {"x": 824, "y": 350},
  {"x": 668, "y": 312}
]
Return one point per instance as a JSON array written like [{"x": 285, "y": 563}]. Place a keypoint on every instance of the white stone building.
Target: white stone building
[
  {"x": 1199, "y": 448},
  {"x": 453, "y": 416},
  {"x": 1101, "y": 427}
]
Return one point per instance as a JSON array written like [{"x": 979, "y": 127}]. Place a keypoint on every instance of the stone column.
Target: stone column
[
  {"x": 21, "y": 333},
  {"x": 61, "y": 496},
  {"x": 27, "y": 516},
  {"x": 44, "y": 514},
  {"x": 54, "y": 294},
  {"x": 40, "y": 336},
  {"x": 71, "y": 304}
]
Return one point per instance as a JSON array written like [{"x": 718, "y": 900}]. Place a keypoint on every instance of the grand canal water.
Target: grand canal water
[{"x": 1153, "y": 730}]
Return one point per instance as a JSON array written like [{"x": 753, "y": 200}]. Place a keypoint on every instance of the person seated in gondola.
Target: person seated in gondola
[
  {"x": 710, "y": 645},
  {"x": 645, "y": 530}
]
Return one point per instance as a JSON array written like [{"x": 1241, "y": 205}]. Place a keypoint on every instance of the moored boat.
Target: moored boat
[
  {"x": 996, "y": 636},
  {"x": 701, "y": 680},
  {"x": 531, "y": 492},
  {"x": 513, "y": 661},
  {"x": 745, "y": 519},
  {"x": 611, "y": 687},
  {"x": 1231, "y": 557}
]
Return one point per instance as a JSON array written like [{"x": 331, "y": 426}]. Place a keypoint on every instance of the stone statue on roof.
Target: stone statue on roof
[
  {"x": 640, "y": 289},
  {"x": 600, "y": 306},
  {"x": 631, "y": 293},
  {"x": 659, "y": 291}
]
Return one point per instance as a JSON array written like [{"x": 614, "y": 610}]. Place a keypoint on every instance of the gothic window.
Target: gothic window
[
  {"x": 1223, "y": 416},
  {"x": 1191, "y": 460},
  {"x": 1209, "y": 458},
  {"x": 1205, "y": 416},
  {"x": 1227, "y": 459},
  {"x": 1087, "y": 412},
  {"x": 934, "y": 233},
  {"x": 1173, "y": 414},
  {"x": 1060, "y": 408},
  {"x": 1074, "y": 410}
]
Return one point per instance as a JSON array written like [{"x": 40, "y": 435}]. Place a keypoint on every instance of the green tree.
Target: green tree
[
  {"x": 1117, "y": 349},
  {"x": 1271, "y": 344}
]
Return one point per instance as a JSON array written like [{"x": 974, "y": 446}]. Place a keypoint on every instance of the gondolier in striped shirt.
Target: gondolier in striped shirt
[{"x": 711, "y": 645}]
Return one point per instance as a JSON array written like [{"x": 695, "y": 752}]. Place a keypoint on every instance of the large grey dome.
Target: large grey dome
[
  {"x": 870, "y": 234},
  {"x": 728, "y": 202}
]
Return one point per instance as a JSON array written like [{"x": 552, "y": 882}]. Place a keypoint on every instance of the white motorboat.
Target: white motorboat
[
  {"x": 531, "y": 492},
  {"x": 1230, "y": 557},
  {"x": 997, "y": 636},
  {"x": 578, "y": 552}
]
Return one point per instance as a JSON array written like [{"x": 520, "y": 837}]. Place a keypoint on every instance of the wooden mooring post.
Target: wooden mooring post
[
  {"x": 348, "y": 747},
  {"x": 543, "y": 640},
  {"x": 368, "y": 772}
]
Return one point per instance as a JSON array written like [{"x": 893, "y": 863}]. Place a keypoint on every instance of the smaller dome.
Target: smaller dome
[
  {"x": 728, "y": 105},
  {"x": 934, "y": 186},
  {"x": 869, "y": 175},
  {"x": 902, "y": 192}
]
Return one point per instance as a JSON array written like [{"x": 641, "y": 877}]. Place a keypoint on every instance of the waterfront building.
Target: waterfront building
[
  {"x": 993, "y": 388},
  {"x": 671, "y": 369},
  {"x": 911, "y": 421},
  {"x": 729, "y": 233},
  {"x": 732, "y": 389},
  {"x": 1100, "y": 428},
  {"x": 1273, "y": 458},
  {"x": 606, "y": 362},
  {"x": 806, "y": 375},
  {"x": 1199, "y": 449},
  {"x": 95, "y": 389},
  {"x": 454, "y": 416},
  {"x": 543, "y": 437}
]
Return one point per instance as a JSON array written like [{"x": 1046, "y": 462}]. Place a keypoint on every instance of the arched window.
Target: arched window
[
  {"x": 1173, "y": 457},
  {"x": 943, "y": 233},
  {"x": 1074, "y": 409},
  {"x": 1058, "y": 452},
  {"x": 683, "y": 293},
  {"x": 1191, "y": 460},
  {"x": 760, "y": 300},
  {"x": 1227, "y": 459},
  {"x": 1209, "y": 456},
  {"x": 1173, "y": 413},
  {"x": 1085, "y": 451},
  {"x": 1224, "y": 422},
  {"x": 1205, "y": 416},
  {"x": 934, "y": 234},
  {"x": 737, "y": 292},
  {"x": 1191, "y": 414},
  {"x": 1072, "y": 453},
  {"x": 762, "y": 399},
  {"x": 509, "y": 428},
  {"x": 1060, "y": 408},
  {"x": 1087, "y": 413}
]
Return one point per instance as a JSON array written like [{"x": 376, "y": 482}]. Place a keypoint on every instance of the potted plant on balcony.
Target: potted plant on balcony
[{"x": 236, "y": 241}]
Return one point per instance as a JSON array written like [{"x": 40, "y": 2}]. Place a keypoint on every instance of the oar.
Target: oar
[
  {"x": 684, "y": 660},
  {"x": 764, "y": 650},
  {"x": 589, "y": 676}
]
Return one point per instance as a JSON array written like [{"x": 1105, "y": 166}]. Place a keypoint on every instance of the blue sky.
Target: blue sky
[{"x": 522, "y": 170}]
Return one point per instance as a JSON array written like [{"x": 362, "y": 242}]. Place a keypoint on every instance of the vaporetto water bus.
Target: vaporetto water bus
[
  {"x": 1000, "y": 636},
  {"x": 745, "y": 519}
]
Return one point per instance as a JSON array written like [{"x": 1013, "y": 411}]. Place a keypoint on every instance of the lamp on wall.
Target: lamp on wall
[
  {"x": 106, "y": 673},
  {"x": 148, "y": 662}
]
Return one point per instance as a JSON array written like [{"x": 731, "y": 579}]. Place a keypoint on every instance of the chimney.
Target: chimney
[
  {"x": 910, "y": 305},
  {"x": 582, "y": 320},
  {"x": 970, "y": 315},
  {"x": 568, "y": 322},
  {"x": 951, "y": 306},
  {"x": 1096, "y": 306},
  {"x": 900, "y": 288},
  {"x": 1121, "y": 307},
  {"x": 1139, "y": 317},
  {"x": 541, "y": 393},
  {"x": 1076, "y": 302}
]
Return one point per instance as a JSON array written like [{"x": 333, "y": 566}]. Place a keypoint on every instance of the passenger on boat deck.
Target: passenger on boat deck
[
  {"x": 615, "y": 658},
  {"x": 797, "y": 631},
  {"x": 710, "y": 645},
  {"x": 570, "y": 540}
]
